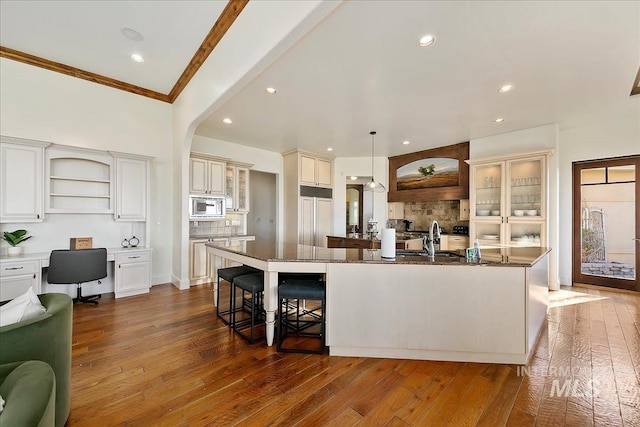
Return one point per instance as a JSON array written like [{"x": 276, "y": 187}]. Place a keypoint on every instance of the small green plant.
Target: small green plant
[
  {"x": 427, "y": 171},
  {"x": 15, "y": 237}
]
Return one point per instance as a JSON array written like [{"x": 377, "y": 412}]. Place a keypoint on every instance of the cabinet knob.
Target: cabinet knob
[
  {"x": 34, "y": 275},
  {"x": 38, "y": 216},
  {"x": 118, "y": 216}
]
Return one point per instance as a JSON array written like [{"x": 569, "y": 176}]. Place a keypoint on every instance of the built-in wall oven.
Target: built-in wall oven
[{"x": 203, "y": 208}]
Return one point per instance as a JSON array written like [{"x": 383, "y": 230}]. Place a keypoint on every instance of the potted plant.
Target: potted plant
[{"x": 13, "y": 238}]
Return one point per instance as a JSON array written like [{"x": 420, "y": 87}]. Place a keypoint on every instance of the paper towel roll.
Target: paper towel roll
[{"x": 388, "y": 244}]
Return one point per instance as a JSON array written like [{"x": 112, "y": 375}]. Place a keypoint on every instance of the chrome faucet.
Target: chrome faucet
[{"x": 428, "y": 244}]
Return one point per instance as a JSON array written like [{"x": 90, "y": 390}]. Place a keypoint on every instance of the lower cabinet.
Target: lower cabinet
[
  {"x": 201, "y": 266},
  {"x": 16, "y": 277},
  {"x": 132, "y": 273}
]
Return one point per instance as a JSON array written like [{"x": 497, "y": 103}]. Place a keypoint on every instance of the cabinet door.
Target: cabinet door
[
  {"x": 216, "y": 177},
  {"x": 199, "y": 261},
  {"x": 134, "y": 276},
  {"x": 131, "y": 190},
  {"x": 307, "y": 170},
  {"x": 242, "y": 190},
  {"x": 21, "y": 183},
  {"x": 198, "y": 179},
  {"x": 464, "y": 209},
  {"x": 14, "y": 286},
  {"x": 487, "y": 198},
  {"x": 230, "y": 197},
  {"x": 324, "y": 209},
  {"x": 324, "y": 173},
  {"x": 307, "y": 218},
  {"x": 457, "y": 242},
  {"x": 396, "y": 210},
  {"x": 526, "y": 185}
]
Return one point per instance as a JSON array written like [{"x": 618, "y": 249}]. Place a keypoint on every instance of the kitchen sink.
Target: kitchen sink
[{"x": 439, "y": 254}]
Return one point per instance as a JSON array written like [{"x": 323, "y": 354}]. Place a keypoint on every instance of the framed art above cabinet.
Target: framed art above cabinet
[{"x": 435, "y": 174}]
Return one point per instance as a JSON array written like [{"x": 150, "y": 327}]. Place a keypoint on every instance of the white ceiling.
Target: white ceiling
[
  {"x": 87, "y": 35},
  {"x": 360, "y": 69}
]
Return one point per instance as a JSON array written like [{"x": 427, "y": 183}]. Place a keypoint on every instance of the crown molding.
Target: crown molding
[{"x": 219, "y": 29}]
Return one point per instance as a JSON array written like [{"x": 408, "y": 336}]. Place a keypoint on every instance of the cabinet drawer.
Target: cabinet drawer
[
  {"x": 130, "y": 258},
  {"x": 19, "y": 268}
]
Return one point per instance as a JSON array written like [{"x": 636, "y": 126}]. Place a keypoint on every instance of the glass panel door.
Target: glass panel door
[
  {"x": 606, "y": 221},
  {"x": 525, "y": 181},
  {"x": 488, "y": 196}
]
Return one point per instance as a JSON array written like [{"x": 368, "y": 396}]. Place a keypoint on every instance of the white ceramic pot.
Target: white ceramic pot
[{"x": 14, "y": 250}]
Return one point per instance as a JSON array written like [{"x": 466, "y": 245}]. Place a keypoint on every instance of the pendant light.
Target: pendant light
[{"x": 373, "y": 185}]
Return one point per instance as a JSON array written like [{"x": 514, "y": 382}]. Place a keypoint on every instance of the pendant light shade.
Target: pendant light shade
[{"x": 373, "y": 185}]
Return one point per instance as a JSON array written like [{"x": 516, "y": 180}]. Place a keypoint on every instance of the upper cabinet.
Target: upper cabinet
[
  {"x": 237, "y": 187},
  {"x": 132, "y": 187},
  {"x": 465, "y": 210},
  {"x": 315, "y": 171},
  {"x": 509, "y": 200},
  {"x": 207, "y": 174},
  {"x": 21, "y": 180},
  {"x": 395, "y": 210},
  {"x": 435, "y": 174},
  {"x": 79, "y": 180}
]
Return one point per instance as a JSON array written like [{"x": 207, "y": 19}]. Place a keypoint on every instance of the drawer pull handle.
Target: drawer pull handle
[
  {"x": 34, "y": 275},
  {"x": 14, "y": 268},
  {"x": 134, "y": 257}
]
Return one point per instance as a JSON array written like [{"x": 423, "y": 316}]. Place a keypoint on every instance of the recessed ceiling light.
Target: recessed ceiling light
[
  {"x": 132, "y": 34},
  {"x": 406, "y": 142},
  {"x": 271, "y": 90},
  {"x": 506, "y": 88},
  {"x": 499, "y": 120},
  {"x": 329, "y": 149},
  {"x": 137, "y": 57},
  {"x": 227, "y": 120},
  {"x": 353, "y": 178},
  {"x": 427, "y": 40}
]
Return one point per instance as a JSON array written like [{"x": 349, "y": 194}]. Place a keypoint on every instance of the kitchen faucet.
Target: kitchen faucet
[{"x": 428, "y": 241}]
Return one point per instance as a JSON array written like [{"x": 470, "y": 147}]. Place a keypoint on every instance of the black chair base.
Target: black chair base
[
  {"x": 296, "y": 322},
  {"x": 87, "y": 299}
]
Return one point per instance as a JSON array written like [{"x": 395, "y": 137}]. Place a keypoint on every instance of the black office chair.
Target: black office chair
[{"x": 78, "y": 267}]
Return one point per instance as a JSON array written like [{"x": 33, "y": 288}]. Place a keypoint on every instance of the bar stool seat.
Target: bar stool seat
[
  {"x": 301, "y": 322},
  {"x": 254, "y": 285},
  {"x": 229, "y": 274}
]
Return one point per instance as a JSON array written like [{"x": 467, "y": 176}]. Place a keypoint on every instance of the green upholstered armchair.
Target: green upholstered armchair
[
  {"x": 29, "y": 391},
  {"x": 47, "y": 338}
]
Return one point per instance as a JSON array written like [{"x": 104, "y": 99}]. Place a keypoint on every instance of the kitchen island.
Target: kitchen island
[{"x": 413, "y": 307}]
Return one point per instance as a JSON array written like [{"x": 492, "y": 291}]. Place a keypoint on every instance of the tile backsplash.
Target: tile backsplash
[
  {"x": 446, "y": 212},
  {"x": 236, "y": 225}
]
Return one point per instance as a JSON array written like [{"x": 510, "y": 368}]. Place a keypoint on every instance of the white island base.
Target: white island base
[{"x": 437, "y": 312}]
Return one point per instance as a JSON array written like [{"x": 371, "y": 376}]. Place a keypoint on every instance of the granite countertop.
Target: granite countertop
[
  {"x": 220, "y": 236},
  {"x": 271, "y": 251},
  {"x": 357, "y": 236}
]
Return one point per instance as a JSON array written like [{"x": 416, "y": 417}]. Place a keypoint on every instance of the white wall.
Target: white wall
[
  {"x": 47, "y": 106},
  {"x": 263, "y": 31},
  {"x": 343, "y": 169},
  {"x": 262, "y": 160},
  {"x": 539, "y": 138},
  {"x": 604, "y": 139}
]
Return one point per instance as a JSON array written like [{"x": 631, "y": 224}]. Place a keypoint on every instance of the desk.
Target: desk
[{"x": 130, "y": 269}]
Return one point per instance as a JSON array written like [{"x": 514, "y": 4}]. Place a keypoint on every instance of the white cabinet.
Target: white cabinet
[
  {"x": 132, "y": 187},
  {"x": 395, "y": 210},
  {"x": 315, "y": 170},
  {"x": 21, "y": 180},
  {"x": 508, "y": 200},
  {"x": 132, "y": 272},
  {"x": 16, "y": 277},
  {"x": 237, "y": 187},
  {"x": 308, "y": 198},
  {"x": 207, "y": 174},
  {"x": 200, "y": 266}
]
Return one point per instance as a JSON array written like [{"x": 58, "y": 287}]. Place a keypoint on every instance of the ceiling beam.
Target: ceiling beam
[
  {"x": 36, "y": 61},
  {"x": 226, "y": 18}
]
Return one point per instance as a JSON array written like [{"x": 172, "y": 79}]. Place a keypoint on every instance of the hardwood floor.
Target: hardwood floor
[{"x": 165, "y": 359}]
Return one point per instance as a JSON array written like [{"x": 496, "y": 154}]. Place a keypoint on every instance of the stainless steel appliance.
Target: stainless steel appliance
[
  {"x": 204, "y": 208},
  {"x": 460, "y": 229}
]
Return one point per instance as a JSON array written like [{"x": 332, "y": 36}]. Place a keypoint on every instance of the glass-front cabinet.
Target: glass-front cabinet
[
  {"x": 508, "y": 200},
  {"x": 237, "y": 188}
]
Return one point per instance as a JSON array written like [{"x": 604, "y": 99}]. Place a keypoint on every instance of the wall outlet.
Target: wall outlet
[{"x": 227, "y": 222}]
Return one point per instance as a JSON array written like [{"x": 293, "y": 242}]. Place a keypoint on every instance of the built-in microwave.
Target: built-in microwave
[{"x": 204, "y": 208}]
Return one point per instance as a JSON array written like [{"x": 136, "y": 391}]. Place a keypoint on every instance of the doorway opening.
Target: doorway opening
[
  {"x": 261, "y": 219},
  {"x": 606, "y": 222}
]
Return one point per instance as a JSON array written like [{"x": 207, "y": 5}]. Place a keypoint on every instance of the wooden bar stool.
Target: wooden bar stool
[
  {"x": 229, "y": 274},
  {"x": 306, "y": 322},
  {"x": 254, "y": 285}
]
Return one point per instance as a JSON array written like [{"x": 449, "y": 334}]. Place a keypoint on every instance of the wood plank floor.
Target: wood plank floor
[{"x": 164, "y": 359}]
